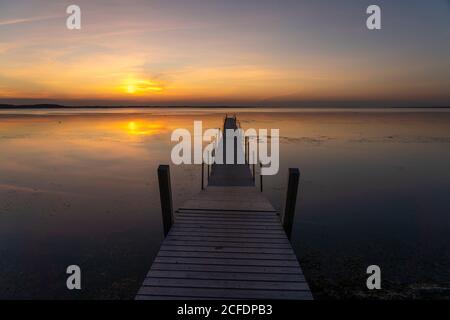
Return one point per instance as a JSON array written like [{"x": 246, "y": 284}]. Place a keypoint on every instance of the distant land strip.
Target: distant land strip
[{"x": 58, "y": 106}]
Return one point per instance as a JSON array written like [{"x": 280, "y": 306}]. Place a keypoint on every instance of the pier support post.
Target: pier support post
[
  {"x": 207, "y": 169},
  {"x": 246, "y": 150},
  {"x": 291, "y": 199},
  {"x": 203, "y": 173},
  {"x": 165, "y": 193},
  {"x": 260, "y": 176}
]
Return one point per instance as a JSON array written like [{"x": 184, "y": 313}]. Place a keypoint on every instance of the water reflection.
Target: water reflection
[
  {"x": 146, "y": 128},
  {"x": 80, "y": 188}
]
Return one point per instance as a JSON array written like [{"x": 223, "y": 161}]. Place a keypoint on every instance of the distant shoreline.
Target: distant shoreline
[{"x": 57, "y": 106}]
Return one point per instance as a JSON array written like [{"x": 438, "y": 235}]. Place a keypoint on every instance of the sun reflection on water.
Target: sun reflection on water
[{"x": 143, "y": 127}]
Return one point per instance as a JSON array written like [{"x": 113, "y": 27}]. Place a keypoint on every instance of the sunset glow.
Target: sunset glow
[{"x": 224, "y": 53}]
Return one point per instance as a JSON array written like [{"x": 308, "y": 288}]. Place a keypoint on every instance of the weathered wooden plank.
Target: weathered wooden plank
[
  {"x": 222, "y": 229},
  {"x": 226, "y": 293},
  {"x": 156, "y": 297},
  {"x": 240, "y": 218},
  {"x": 228, "y": 244},
  {"x": 226, "y": 276},
  {"x": 224, "y": 225},
  {"x": 226, "y": 239},
  {"x": 224, "y": 268},
  {"x": 225, "y": 212},
  {"x": 234, "y": 262},
  {"x": 212, "y": 234},
  {"x": 234, "y": 209},
  {"x": 227, "y": 255},
  {"x": 226, "y": 284},
  {"x": 228, "y": 219},
  {"x": 228, "y": 205},
  {"x": 221, "y": 248}
]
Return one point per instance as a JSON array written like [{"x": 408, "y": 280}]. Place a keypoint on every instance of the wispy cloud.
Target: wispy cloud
[{"x": 26, "y": 20}]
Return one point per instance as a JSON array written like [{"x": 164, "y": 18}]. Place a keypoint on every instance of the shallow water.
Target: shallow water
[{"x": 79, "y": 187}]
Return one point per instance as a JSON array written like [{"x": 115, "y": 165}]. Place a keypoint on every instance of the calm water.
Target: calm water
[{"x": 79, "y": 187}]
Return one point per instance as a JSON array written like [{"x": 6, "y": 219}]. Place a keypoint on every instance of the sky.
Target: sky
[{"x": 210, "y": 52}]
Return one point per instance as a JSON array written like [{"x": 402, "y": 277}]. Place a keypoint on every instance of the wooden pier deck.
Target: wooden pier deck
[{"x": 227, "y": 242}]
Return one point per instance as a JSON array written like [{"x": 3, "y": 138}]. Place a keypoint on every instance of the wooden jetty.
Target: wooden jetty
[{"x": 227, "y": 242}]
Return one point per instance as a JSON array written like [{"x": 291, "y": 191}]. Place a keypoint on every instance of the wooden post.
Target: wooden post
[
  {"x": 165, "y": 193},
  {"x": 246, "y": 150},
  {"x": 209, "y": 160},
  {"x": 291, "y": 199},
  {"x": 260, "y": 176},
  {"x": 253, "y": 172},
  {"x": 203, "y": 173}
]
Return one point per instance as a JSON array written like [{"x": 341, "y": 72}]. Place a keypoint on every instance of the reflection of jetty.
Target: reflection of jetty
[{"x": 227, "y": 242}]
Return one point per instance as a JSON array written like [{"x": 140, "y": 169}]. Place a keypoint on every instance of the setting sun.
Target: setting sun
[
  {"x": 131, "y": 89},
  {"x": 141, "y": 86}
]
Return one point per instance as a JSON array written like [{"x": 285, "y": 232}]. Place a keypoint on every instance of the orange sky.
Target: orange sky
[{"x": 256, "y": 52}]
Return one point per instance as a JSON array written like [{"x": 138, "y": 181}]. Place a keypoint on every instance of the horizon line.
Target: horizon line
[{"x": 62, "y": 106}]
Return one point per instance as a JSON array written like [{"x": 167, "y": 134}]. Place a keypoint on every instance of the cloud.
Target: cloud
[{"x": 26, "y": 20}]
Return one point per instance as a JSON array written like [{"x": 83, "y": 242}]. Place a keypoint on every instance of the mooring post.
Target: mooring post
[
  {"x": 246, "y": 150},
  {"x": 260, "y": 176},
  {"x": 291, "y": 199},
  {"x": 165, "y": 193},
  {"x": 208, "y": 164},
  {"x": 203, "y": 173}
]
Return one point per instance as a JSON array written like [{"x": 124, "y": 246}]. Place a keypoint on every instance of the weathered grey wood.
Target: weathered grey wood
[
  {"x": 165, "y": 192},
  {"x": 220, "y": 220},
  {"x": 227, "y": 243},
  {"x": 191, "y": 225},
  {"x": 221, "y": 229},
  {"x": 224, "y": 268},
  {"x": 235, "y": 256},
  {"x": 244, "y": 236},
  {"x": 226, "y": 276},
  {"x": 226, "y": 284},
  {"x": 233, "y": 262},
  {"x": 231, "y": 174},
  {"x": 227, "y": 239},
  {"x": 160, "y": 297},
  {"x": 291, "y": 199},
  {"x": 217, "y": 210},
  {"x": 211, "y": 212},
  {"x": 217, "y": 218},
  {"x": 190, "y": 248},
  {"x": 226, "y": 293},
  {"x": 218, "y": 223}
]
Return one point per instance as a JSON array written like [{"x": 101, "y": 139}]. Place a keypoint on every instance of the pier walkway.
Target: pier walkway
[{"x": 227, "y": 242}]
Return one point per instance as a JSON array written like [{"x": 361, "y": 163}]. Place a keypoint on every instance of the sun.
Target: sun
[
  {"x": 141, "y": 86},
  {"x": 131, "y": 89}
]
